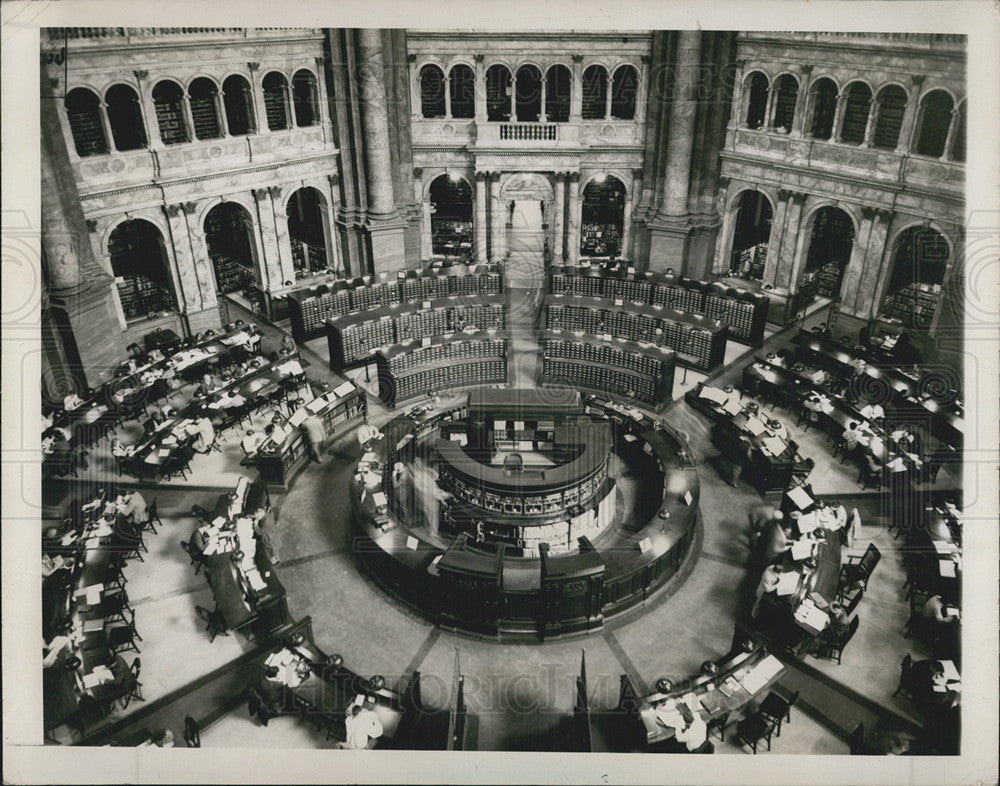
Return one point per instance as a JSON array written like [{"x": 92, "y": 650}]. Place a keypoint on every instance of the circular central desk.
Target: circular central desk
[{"x": 550, "y": 552}]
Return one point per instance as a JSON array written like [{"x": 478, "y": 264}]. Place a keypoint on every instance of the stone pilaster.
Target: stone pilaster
[
  {"x": 559, "y": 222},
  {"x": 877, "y": 267},
  {"x": 269, "y": 240},
  {"x": 573, "y": 235},
  {"x": 499, "y": 219},
  {"x": 481, "y": 216}
]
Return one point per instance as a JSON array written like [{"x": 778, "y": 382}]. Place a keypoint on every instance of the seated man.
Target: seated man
[
  {"x": 252, "y": 441},
  {"x": 363, "y": 729},
  {"x": 71, "y": 402},
  {"x": 368, "y": 433},
  {"x": 287, "y": 346},
  {"x": 204, "y": 435},
  {"x": 695, "y": 731},
  {"x": 818, "y": 376},
  {"x": 872, "y": 411},
  {"x": 228, "y": 400},
  {"x": 768, "y": 583},
  {"x": 934, "y": 610},
  {"x": 778, "y": 540},
  {"x": 852, "y": 437}
]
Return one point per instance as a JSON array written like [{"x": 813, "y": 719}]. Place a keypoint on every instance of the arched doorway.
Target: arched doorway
[
  {"x": 229, "y": 235},
  {"x": 527, "y": 203},
  {"x": 919, "y": 264},
  {"x": 602, "y": 219},
  {"x": 308, "y": 232},
  {"x": 751, "y": 233},
  {"x": 139, "y": 264},
  {"x": 451, "y": 217},
  {"x": 830, "y": 242}
]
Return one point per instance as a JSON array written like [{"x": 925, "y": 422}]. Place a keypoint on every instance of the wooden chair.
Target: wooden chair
[
  {"x": 121, "y": 638},
  {"x": 754, "y": 728},
  {"x": 833, "y": 648},
  {"x": 778, "y": 709},
  {"x": 719, "y": 723},
  {"x": 192, "y": 734},
  {"x": 114, "y": 576},
  {"x": 194, "y": 555},
  {"x": 214, "y": 623},
  {"x": 134, "y": 690},
  {"x": 115, "y": 605},
  {"x": 860, "y": 569},
  {"x": 154, "y": 516},
  {"x": 850, "y": 608},
  {"x": 905, "y": 688}
]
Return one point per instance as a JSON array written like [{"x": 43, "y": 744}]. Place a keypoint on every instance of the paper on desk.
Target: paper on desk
[
  {"x": 712, "y": 394},
  {"x": 316, "y": 405},
  {"x": 775, "y": 445},
  {"x": 343, "y": 389},
  {"x": 946, "y": 568},
  {"x": 253, "y": 576},
  {"x": 754, "y": 426},
  {"x": 732, "y": 407},
  {"x": 802, "y": 549},
  {"x": 800, "y": 497},
  {"x": 788, "y": 582},
  {"x": 298, "y": 416},
  {"x": 950, "y": 672},
  {"x": 163, "y": 452},
  {"x": 94, "y": 594},
  {"x": 807, "y": 523},
  {"x": 93, "y": 626},
  {"x": 291, "y": 367},
  {"x": 55, "y": 647},
  {"x": 91, "y": 680},
  {"x": 944, "y": 547}
]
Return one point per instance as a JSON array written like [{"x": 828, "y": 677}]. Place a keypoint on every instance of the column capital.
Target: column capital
[
  {"x": 418, "y": 171},
  {"x": 644, "y": 59},
  {"x": 724, "y": 181},
  {"x": 917, "y": 80},
  {"x": 573, "y": 177},
  {"x": 577, "y": 58},
  {"x": 411, "y": 58},
  {"x": 274, "y": 191},
  {"x": 259, "y": 193},
  {"x": 189, "y": 207},
  {"x": 482, "y": 177},
  {"x": 637, "y": 173},
  {"x": 479, "y": 58},
  {"x": 320, "y": 63},
  {"x": 91, "y": 224},
  {"x": 172, "y": 211},
  {"x": 806, "y": 69},
  {"x": 495, "y": 177},
  {"x": 253, "y": 66},
  {"x": 333, "y": 180},
  {"x": 784, "y": 194},
  {"x": 140, "y": 74}
]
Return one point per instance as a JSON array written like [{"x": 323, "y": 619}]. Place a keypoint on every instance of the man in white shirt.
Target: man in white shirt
[
  {"x": 72, "y": 401},
  {"x": 872, "y": 412},
  {"x": 368, "y": 433},
  {"x": 363, "y": 728},
  {"x": 695, "y": 730}
]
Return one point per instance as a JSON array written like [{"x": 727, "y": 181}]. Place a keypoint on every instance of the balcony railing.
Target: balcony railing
[{"x": 529, "y": 132}]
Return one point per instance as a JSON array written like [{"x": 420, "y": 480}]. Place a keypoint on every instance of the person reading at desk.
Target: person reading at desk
[
  {"x": 872, "y": 411},
  {"x": 72, "y": 401},
  {"x": 367, "y": 433},
  {"x": 204, "y": 434},
  {"x": 227, "y": 400},
  {"x": 252, "y": 441},
  {"x": 852, "y": 437},
  {"x": 768, "y": 583},
  {"x": 934, "y": 609},
  {"x": 818, "y": 376},
  {"x": 287, "y": 346},
  {"x": 694, "y": 733},
  {"x": 778, "y": 540},
  {"x": 363, "y": 729}
]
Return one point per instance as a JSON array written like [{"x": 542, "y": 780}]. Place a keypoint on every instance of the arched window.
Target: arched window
[
  {"x": 624, "y": 89},
  {"x": 275, "y": 104},
  {"x": 595, "y": 93},
  {"x": 451, "y": 217},
  {"x": 787, "y": 88},
  {"x": 918, "y": 268},
  {"x": 431, "y": 91},
  {"x": 308, "y": 231},
  {"x": 305, "y": 98},
  {"x": 204, "y": 109},
  {"x": 84, "y": 111},
  {"x": 229, "y": 235},
  {"x": 958, "y": 144},
  {"x": 935, "y": 118},
  {"x": 125, "y": 118},
  {"x": 830, "y": 242},
  {"x": 139, "y": 263},
  {"x": 528, "y": 88},
  {"x": 824, "y": 92},
  {"x": 751, "y": 234},
  {"x": 558, "y": 90},
  {"x": 859, "y": 99},
  {"x": 462, "y": 84},
  {"x": 892, "y": 106},
  {"x": 602, "y": 218},
  {"x": 498, "y": 93},
  {"x": 168, "y": 100},
  {"x": 757, "y": 103},
  {"x": 237, "y": 97}
]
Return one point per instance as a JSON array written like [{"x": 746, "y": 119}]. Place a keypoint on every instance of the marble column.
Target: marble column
[
  {"x": 268, "y": 241},
  {"x": 909, "y": 120},
  {"x": 683, "y": 111},
  {"x": 153, "y": 138},
  {"x": 724, "y": 244},
  {"x": 838, "y": 113},
  {"x": 573, "y": 235},
  {"x": 259, "y": 111},
  {"x": 186, "y": 279},
  {"x": 188, "y": 117},
  {"x": 559, "y": 220},
  {"x": 790, "y": 244},
  {"x": 775, "y": 239},
  {"x": 220, "y": 107},
  {"x": 849, "y": 287},
  {"x": 78, "y": 288},
  {"x": 102, "y": 110},
  {"x": 499, "y": 219},
  {"x": 878, "y": 261},
  {"x": 576, "y": 90},
  {"x": 332, "y": 200},
  {"x": 281, "y": 233},
  {"x": 426, "y": 243},
  {"x": 385, "y": 228},
  {"x": 801, "y": 103},
  {"x": 952, "y": 130},
  {"x": 481, "y": 216},
  {"x": 208, "y": 316},
  {"x": 480, "y": 89},
  {"x": 873, "y": 110}
]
